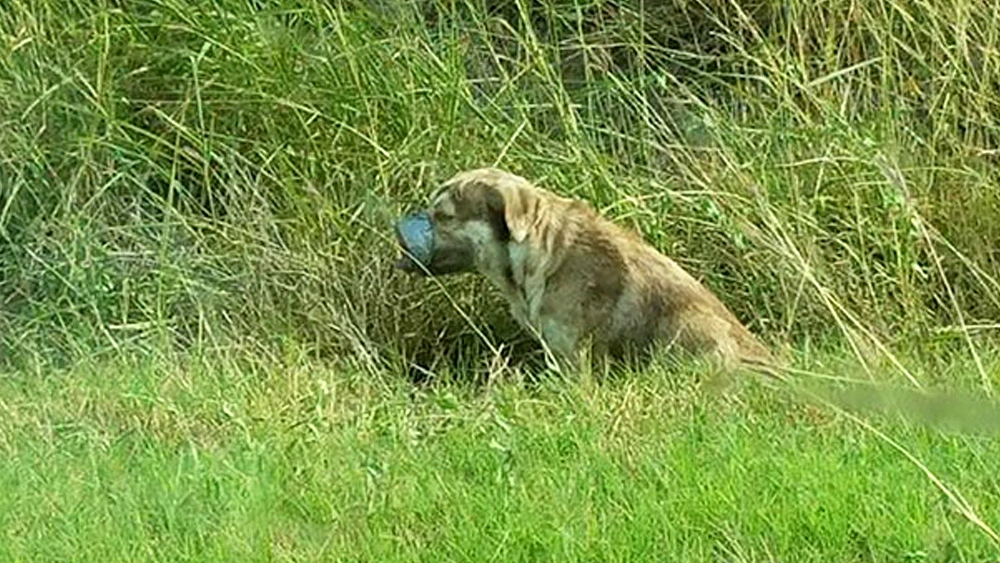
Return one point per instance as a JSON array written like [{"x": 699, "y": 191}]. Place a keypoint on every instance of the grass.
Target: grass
[
  {"x": 153, "y": 461},
  {"x": 205, "y": 353}
]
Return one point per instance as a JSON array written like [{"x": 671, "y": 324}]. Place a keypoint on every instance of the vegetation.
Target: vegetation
[{"x": 205, "y": 352}]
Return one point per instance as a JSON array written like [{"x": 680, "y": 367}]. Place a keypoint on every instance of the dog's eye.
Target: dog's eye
[{"x": 443, "y": 217}]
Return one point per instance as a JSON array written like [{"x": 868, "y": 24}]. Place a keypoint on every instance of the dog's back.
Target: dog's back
[{"x": 639, "y": 298}]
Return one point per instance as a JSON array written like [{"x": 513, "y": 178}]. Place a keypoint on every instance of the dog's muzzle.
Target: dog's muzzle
[{"x": 415, "y": 234}]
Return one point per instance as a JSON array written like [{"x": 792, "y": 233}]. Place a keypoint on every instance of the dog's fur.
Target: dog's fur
[{"x": 576, "y": 280}]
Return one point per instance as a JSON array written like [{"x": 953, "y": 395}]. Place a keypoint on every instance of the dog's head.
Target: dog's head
[{"x": 471, "y": 219}]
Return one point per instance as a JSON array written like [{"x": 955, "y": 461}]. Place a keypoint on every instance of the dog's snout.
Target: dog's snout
[{"x": 415, "y": 234}]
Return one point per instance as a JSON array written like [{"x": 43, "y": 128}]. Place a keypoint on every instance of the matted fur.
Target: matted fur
[{"x": 579, "y": 282}]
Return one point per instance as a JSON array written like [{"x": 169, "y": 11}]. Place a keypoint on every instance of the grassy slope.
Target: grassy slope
[{"x": 209, "y": 188}]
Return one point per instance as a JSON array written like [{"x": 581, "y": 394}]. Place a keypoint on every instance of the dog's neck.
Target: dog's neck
[{"x": 517, "y": 273}]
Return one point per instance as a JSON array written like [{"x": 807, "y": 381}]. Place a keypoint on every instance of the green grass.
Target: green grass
[
  {"x": 145, "y": 460},
  {"x": 205, "y": 353}
]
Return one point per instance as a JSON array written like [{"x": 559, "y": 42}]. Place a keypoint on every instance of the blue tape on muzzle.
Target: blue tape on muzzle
[{"x": 416, "y": 235}]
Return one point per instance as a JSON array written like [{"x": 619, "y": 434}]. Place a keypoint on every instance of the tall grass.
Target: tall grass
[{"x": 219, "y": 175}]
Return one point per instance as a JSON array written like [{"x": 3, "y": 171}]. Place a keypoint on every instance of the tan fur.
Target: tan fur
[{"x": 578, "y": 281}]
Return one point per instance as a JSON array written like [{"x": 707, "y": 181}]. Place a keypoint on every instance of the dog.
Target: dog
[{"x": 584, "y": 286}]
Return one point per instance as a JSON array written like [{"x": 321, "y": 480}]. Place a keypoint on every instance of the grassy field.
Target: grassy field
[
  {"x": 205, "y": 353},
  {"x": 149, "y": 460}
]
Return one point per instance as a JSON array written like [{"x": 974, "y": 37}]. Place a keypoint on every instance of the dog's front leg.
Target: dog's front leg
[{"x": 562, "y": 345}]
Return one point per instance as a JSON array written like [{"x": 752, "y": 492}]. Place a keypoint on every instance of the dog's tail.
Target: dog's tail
[{"x": 759, "y": 359}]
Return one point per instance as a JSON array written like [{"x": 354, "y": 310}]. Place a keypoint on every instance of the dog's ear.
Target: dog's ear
[
  {"x": 496, "y": 210},
  {"x": 513, "y": 206}
]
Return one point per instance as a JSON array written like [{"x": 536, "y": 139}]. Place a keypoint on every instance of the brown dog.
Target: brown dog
[{"x": 577, "y": 281}]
